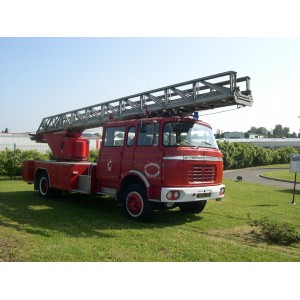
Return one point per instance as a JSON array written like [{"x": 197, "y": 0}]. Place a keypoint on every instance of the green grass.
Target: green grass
[
  {"x": 282, "y": 175},
  {"x": 89, "y": 228},
  {"x": 278, "y": 166}
]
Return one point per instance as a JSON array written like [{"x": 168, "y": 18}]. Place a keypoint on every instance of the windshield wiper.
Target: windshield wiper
[
  {"x": 206, "y": 143},
  {"x": 187, "y": 142}
]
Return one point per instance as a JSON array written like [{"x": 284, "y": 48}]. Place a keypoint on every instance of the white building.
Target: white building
[
  {"x": 22, "y": 141},
  {"x": 234, "y": 135}
]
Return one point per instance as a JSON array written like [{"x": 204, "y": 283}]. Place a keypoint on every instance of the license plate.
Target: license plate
[{"x": 203, "y": 195}]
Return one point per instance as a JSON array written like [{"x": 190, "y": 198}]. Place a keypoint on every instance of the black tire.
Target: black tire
[
  {"x": 192, "y": 207},
  {"x": 135, "y": 203},
  {"x": 44, "y": 186}
]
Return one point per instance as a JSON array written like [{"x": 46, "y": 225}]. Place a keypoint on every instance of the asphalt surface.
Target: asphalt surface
[{"x": 252, "y": 175}]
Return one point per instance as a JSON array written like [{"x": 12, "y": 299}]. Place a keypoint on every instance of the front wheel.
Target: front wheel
[
  {"x": 135, "y": 203},
  {"x": 192, "y": 207}
]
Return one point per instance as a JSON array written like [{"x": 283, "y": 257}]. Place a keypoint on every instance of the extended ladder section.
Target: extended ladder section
[{"x": 184, "y": 98}]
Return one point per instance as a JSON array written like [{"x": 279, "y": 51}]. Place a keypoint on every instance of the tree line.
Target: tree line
[
  {"x": 5, "y": 130},
  {"x": 235, "y": 155},
  {"x": 277, "y": 132}
]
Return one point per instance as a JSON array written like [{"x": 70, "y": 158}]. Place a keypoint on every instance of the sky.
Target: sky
[
  {"x": 61, "y": 55},
  {"x": 40, "y": 77}
]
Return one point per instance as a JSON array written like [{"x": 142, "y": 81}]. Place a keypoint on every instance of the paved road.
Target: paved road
[{"x": 252, "y": 175}]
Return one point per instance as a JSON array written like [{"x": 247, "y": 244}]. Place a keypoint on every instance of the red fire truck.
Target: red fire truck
[{"x": 154, "y": 154}]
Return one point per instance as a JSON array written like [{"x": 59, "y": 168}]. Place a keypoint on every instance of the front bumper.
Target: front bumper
[{"x": 194, "y": 193}]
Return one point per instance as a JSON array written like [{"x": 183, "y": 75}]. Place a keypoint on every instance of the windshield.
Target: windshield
[{"x": 188, "y": 134}]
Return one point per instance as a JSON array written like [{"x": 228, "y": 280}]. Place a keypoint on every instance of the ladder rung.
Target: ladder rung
[{"x": 194, "y": 95}]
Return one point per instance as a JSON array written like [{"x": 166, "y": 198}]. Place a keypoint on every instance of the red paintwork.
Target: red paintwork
[
  {"x": 115, "y": 164},
  {"x": 68, "y": 146},
  {"x": 28, "y": 171},
  {"x": 62, "y": 175},
  {"x": 179, "y": 169}
]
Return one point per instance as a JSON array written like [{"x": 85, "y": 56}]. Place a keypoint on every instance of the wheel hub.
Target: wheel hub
[{"x": 134, "y": 204}]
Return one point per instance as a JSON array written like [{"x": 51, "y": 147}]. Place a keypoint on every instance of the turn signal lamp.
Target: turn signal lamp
[
  {"x": 173, "y": 195},
  {"x": 222, "y": 191}
]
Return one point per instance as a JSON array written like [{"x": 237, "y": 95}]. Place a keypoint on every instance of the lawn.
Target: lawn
[
  {"x": 89, "y": 228},
  {"x": 282, "y": 175}
]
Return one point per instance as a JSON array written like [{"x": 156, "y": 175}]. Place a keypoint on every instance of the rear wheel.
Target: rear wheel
[
  {"x": 44, "y": 186},
  {"x": 192, "y": 207},
  {"x": 135, "y": 203}
]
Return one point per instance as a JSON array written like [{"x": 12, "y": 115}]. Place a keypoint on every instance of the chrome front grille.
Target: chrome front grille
[{"x": 202, "y": 173}]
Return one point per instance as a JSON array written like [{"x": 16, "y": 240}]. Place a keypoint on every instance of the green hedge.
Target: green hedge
[
  {"x": 236, "y": 155},
  {"x": 93, "y": 155},
  {"x": 11, "y": 161},
  {"x": 242, "y": 155}
]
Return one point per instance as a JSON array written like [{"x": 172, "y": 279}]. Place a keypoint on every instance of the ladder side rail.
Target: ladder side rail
[
  {"x": 187, "y": 82},
  {"x": 97, "y": 115},
  {"x": 150, "y": 92}
]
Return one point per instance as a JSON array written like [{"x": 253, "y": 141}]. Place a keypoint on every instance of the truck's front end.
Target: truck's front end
[{"x": 192, "y": 168}]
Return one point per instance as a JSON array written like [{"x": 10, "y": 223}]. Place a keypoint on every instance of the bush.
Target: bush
[
  {"x": 228, "y": 151},
  {"x": 235, "y": 155},
  {"x": 50, "y": 155},
  {"x": 285, "y": 154},
  {"x": 281, "y": 234},
  {"x": 93, "y": 156},
  {"x": 262, "y": 156},
  {"x": 11, "y": 161},
  {"x": 243, "y": 155}
]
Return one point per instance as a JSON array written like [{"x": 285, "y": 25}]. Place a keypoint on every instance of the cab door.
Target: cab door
[
  {"x": 110, "y": 158},
  {"x": 129, "y": 148},
  {"x": 148, "y": 155}
]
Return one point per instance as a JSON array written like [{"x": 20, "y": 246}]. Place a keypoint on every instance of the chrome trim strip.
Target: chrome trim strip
[
  {"x": 198, "y": 157},
  {"x": 173, "y": 157}
]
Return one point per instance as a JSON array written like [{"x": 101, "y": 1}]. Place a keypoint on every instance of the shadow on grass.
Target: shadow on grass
[
  {"x": 265, "y": 205},
  {"x": 76, "y": 215},
  {"x": 14, "y": 178},
  {"x": 289, "y": 191}
]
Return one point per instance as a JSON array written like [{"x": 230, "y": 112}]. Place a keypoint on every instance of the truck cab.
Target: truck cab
[{"x": 160, "y": 162}]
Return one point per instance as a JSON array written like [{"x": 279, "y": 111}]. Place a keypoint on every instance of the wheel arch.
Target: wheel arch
[{"x": 133, "y": 177}]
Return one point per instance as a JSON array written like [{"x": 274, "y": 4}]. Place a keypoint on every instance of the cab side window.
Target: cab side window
[
  {"x": 148, "y": 135},
  {"x": 114, "y": 136},
  {"x": 131, "y": 136}
]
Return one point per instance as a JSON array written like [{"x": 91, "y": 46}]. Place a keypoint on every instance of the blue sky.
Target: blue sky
[{"x": 40, "y": 77}]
